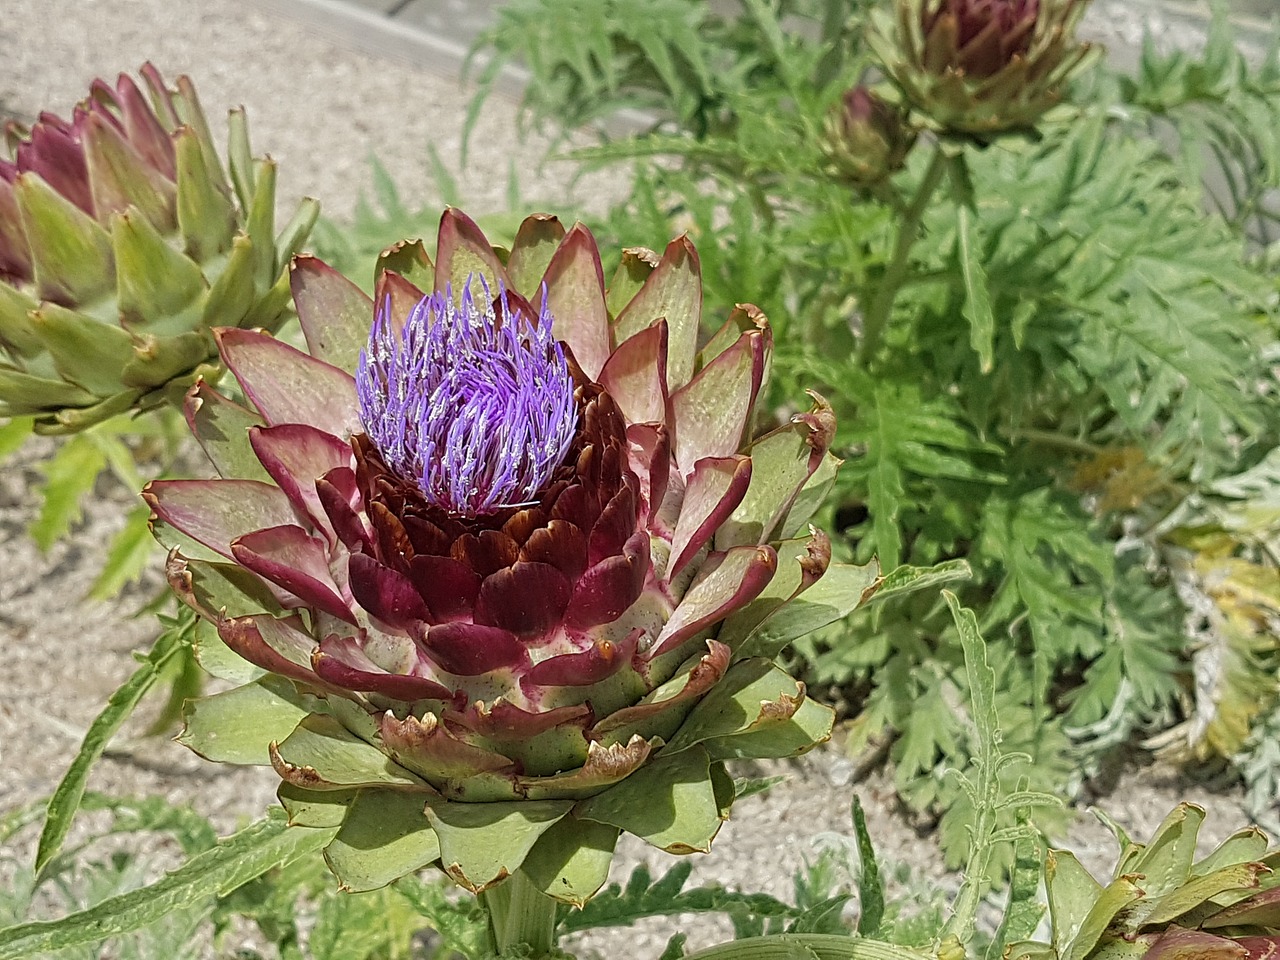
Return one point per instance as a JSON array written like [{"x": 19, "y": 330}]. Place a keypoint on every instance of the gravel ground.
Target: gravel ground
[{"x": 321, "y": 109}]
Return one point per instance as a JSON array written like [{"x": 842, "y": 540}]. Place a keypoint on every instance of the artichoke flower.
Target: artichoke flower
[
  {"x": 122, "y": 245},
  {"x": 1162, "y": 903},
  {"x": 498, "y": 562},
  {"x": 867, "y": 139},
  {"x": 981, "y": 67}
]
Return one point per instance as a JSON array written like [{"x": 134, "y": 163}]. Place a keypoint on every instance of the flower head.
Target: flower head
[
  {"x": 978, "y": 68},
  {"x": 122, "y": 243},
  {"x": 867, "y": 138},
  {"x": 977, "y": 37},
  {"x": 470, "y": 400},
  {"x": 513, "y": 572}
]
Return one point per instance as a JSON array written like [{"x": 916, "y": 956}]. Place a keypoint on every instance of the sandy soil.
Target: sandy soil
[{"x": 320, "y": 109}]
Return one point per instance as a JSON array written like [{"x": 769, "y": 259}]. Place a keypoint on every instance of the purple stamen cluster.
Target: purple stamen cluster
[{"x": 472, "y": 401}]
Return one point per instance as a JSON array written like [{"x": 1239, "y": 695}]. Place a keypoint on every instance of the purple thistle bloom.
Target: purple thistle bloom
[{"x": 478, "y": 410}]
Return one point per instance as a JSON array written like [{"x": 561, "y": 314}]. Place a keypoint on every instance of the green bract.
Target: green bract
[
  {"x": 511, "y": 690},
  {"x": 1162, "y": 903},
  {"x": 122, "y": 244}
]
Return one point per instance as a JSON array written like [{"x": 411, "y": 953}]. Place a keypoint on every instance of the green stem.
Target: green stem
[
  {"x": 520, "y": 914},
  {"x": 824, "y": 946},
  {"x": 877, "y": 314}
]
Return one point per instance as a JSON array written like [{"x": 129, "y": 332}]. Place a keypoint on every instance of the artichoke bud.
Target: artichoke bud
[
  {"x": 1162, "y": 901},
  {"x": 122, "y": 244},
  {"x": 978, "y": 68},
  {"x": 867, "y": 138},
  {"x": 490, "y": 558}
]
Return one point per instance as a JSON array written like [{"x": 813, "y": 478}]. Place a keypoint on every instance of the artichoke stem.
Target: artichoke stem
[
  {"x": 877, "y": 314},
  {"x": 520, "y": 915}
]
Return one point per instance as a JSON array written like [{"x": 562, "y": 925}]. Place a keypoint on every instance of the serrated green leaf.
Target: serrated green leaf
[
  {"x": 13, "y": 435},
  {"x": 907, "y": 579},
  {"x": 643, "y": 897},
  {"x": 127, "y": 556},
  {"x": 462, "y": 925},
  {"x": 977, "y": 299},
  {"x": 66, "y": 797},
  {"x": 234, "y": 861},
  {"x": 870, "y": 887},
  {"x": 1023, "y": 910},
  {"x": 69, "y": 475}
]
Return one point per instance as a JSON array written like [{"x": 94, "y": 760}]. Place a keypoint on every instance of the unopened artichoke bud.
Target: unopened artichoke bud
[
  {"x": 502, "y": 558},
  {"x": 867, "y": 139},
  {"x": 1162, "y": 901},
  {"x": 122, "y": 244},
  {"x": 981, "y": 67}
]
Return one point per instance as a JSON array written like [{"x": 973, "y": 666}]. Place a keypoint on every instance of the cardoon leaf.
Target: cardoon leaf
[
  {"x": 244, "y": 856},
  {"x": 66, "y": 797}
]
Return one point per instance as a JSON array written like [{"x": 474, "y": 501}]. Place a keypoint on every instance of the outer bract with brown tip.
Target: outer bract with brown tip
[
  {"x": 529, "y": 565},
  {"x": 122, "y": 244}
]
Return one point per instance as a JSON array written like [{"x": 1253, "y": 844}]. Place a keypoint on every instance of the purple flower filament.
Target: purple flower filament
[{"x": 473, "y": 404}]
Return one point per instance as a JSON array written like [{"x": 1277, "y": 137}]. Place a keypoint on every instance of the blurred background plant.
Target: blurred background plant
[{"x": 124, "y": 239}]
